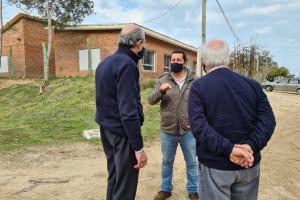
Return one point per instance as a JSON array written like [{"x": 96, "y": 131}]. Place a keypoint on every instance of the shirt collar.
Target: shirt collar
[
  {"x": 128, "y": 52},
  {"x": 182, "y": 79},
  {"x": 217, "y": 67}
]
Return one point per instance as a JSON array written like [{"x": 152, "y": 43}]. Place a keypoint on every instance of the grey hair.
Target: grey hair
[
  {"x": 215, "y": 57},
  {"x": 130, "y": 39}
]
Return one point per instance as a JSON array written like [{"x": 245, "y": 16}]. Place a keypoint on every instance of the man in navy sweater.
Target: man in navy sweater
[
  {"x": 120, "y": 114},
  {"x": 232, "y": 121}
]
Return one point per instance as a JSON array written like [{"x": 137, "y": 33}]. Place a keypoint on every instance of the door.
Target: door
[
  {"x": 293, "y": 84},
  {"x": 281, "y": 84}
]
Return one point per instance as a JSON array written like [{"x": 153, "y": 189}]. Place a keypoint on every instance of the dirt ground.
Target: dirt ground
[
  {"x": 78, "y": 171},
  {"x": 7, "y": 83}
]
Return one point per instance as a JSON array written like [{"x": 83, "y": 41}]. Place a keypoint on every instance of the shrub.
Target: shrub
[{"x": 147, "y": 83}]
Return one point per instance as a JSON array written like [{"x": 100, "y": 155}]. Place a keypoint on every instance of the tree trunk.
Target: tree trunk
[
  {"x": 47, "y": 62},
  {"x": 1, "y": 31}
]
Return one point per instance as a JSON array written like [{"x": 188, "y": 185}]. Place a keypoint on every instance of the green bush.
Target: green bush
[{"x": 147, "y": 83}]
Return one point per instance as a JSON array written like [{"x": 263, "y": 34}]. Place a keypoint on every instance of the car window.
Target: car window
[
  {"x": 283, "y": 81},
  {"x": 293, "y": 81}
]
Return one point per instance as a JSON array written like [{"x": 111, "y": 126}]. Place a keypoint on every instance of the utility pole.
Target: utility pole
[
  {"x": 203, "y": 26},
  {"x": 203, "y": 38},
  {"x": 257, "y": 67}
]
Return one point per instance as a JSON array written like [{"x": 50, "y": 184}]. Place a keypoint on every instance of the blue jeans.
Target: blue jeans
[{"x": 169, "y": 145}]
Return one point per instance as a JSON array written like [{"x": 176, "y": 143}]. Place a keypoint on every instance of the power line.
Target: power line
[
  {"x": 160, "y": 15},
  {"x": 228, "y": 23}
]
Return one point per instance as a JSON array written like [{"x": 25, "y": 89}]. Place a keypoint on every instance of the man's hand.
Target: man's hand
[
  {"x": 241, "y": 157},
  {"x": 189, "y": 127},
  {"x": 142, "y": 160},
  {"x": 245, "y": 147},
  {"x": 165, "y": 87}
]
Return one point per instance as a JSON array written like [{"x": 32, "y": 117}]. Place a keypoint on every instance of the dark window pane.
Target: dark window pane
[
  {"x": 194, "y": 66},
  {"x": 293, "y": 81},
  {"x": 167, "y": 63}
]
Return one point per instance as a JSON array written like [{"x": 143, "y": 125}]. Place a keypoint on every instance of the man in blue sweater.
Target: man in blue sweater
[
  {"x": 120, "y": 114},
  {"x": 232, "y": 121}
]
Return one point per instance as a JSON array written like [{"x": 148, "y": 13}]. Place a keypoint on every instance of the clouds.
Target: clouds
[
  {"x": 263, "y": 31},
  {"x": 241, "y": 25},
  {"x": 262, "y": 10}
]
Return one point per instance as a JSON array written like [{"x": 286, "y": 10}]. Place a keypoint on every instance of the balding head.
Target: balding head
[
  {"x": 130, "y": 35},
  {"x": 128, "y": 28},
  {"x": 215, "y": 53}
]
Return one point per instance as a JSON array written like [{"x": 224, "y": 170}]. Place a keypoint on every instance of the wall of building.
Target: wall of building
[
  {"x": 26, "y": 37},
  {"x": 10, "y": 38},
  {"x": 35, "y": 34},
  {"x": 68, "y": 44}
]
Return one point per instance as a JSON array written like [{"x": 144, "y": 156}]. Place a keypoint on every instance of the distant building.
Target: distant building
[{"x": 24, "y": 33}]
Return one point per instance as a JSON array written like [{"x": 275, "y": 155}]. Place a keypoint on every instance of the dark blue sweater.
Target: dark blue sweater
[
  {"x": 226, "y": 108},
  {"x": 118, "y": 100}
]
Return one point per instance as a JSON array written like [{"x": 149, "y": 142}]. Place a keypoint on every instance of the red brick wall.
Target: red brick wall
[
  {"x": 27, "y": 53},
  {"x": 35, "y": 34},
  {"x": 10, "y": 39},
  {"x": 68, "y": 44}
]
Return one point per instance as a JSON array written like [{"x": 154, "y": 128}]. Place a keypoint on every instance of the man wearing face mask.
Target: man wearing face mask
[
  {"x": 172, "y": 90},
  {"x": 120, "y": 114}
]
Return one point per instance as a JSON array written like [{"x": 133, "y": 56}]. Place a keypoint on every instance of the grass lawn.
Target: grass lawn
[{"x": 59, "y": 116}]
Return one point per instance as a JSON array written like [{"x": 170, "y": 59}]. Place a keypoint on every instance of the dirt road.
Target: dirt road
[{"x": 78, "y": 171}]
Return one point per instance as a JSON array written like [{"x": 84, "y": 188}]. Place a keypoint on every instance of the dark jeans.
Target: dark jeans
[{"x": 123, "y": 178}]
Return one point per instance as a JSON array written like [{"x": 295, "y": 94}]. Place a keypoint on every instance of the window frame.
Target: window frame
[
  {"x": 169, "y": 68},
  {"x": 154, "y": 61},
  {"x": 287, "y": 80},
  {"x": 296, "y": 81}
]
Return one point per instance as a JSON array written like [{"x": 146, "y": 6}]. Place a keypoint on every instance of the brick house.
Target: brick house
[{"x": 24, "y": 33}]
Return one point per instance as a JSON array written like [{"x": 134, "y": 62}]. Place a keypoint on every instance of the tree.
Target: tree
[
  {"x": 278, "y": 71},
  {"x": 291, "y": 76},
  {"x": 59, "y": 14}
]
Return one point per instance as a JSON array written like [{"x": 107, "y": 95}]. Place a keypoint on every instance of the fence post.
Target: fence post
[
  {"x": 45, "y": 54},
  {"x": 11, "y": 63},
  {"x": 90, "y": 57}
]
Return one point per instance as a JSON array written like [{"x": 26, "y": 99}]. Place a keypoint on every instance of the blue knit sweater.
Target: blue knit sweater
[
  {"x": 226, "y": 108},
  {"x": 118, "y": 100}
]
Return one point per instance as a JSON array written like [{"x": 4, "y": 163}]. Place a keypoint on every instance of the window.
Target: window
[
  {"x": 283, "y": 81},
  {"x": 194, "y": 66},
  {"x": 84, "y": 59},
  {"x": 149, "y": 60},
  {"x": 167, "y": 62},
  {"x": 293, "y": 81},
  {"x": 4, "y": 64},
  {"x": 189, "y": 65}
]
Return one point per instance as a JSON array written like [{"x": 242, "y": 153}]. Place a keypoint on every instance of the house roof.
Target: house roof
[{"x": 147, "y": 31}]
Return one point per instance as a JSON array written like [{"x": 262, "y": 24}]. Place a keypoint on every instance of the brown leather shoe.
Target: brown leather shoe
[
  {"x": 194, "y": 196},
  {"x": 162, "y": 195}
]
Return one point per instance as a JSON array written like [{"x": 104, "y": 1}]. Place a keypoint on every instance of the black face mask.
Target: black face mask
[
  {"x": 141, "y": 53},
  {"x": 176, "y": 67}
]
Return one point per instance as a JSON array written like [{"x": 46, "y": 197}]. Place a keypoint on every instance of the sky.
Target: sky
[{"x": 275, "y": 24}]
